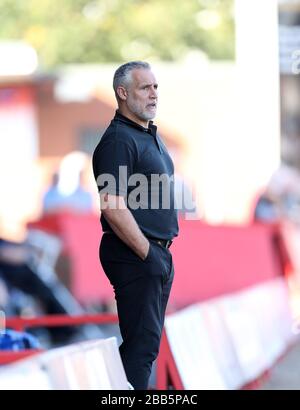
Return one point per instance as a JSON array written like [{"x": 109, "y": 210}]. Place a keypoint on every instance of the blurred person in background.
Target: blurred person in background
[
  {"x": 4, "y": 295},
  {"x": 267, "y": 208},
  {"x": 285, "y": 185},
  {"x": 134, "y": 250},
  {"x": 66, "y": 192},
  {"x": 29, "y": 292},
  {"x": 281, "y": 198}
]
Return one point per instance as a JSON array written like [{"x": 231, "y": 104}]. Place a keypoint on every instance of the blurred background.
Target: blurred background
[
  {"x": 229, "y": 99},
  {"x": 57, "y": 64}
]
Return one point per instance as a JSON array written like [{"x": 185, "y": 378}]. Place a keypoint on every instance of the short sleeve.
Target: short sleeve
[{"x": 113, "y": 163}]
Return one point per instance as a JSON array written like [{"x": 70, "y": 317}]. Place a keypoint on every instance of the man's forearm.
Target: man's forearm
[{"x": 125, "y": 227}]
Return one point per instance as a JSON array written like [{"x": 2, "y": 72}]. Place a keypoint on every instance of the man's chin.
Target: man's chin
[
  {"x": 150, "y": 115},
  {"x": 146, "y": 115}
]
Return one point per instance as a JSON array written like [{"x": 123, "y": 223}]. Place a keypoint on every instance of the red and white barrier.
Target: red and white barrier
[
  {"x": 230, "y": 341},
  {"x": 91, "y": 365}
]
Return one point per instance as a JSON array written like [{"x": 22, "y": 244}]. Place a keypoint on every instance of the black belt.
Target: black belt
[
  {"x": 165, "y": 243},
  {"x": 162, "y": 242}
]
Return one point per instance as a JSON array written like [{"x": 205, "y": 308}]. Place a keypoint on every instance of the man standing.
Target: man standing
[{"x": 134, "y": 174}]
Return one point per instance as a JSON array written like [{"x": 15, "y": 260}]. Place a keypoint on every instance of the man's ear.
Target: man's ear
[{"x": 122, "y": 93}]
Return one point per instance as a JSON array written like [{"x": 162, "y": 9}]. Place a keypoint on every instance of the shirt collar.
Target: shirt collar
[{"x": 151, "y": 129}]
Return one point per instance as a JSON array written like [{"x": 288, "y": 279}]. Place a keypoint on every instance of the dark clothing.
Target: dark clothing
[
  {"x": 141, "y": 287},
  {"x": 142, "y": 290},
  {"x": 142, "y": 151}
]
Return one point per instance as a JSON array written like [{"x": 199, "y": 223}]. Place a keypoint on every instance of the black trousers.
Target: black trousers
[{"x": 142, "y": 290}]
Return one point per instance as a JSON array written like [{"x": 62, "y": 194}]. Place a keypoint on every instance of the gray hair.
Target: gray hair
[{"x": 121, "y": 76}]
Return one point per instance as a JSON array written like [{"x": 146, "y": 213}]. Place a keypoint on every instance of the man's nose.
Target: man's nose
[{"x": 153, "y": 92}]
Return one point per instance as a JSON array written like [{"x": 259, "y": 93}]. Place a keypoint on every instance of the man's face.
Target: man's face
[{"x": 142, "y": 94}]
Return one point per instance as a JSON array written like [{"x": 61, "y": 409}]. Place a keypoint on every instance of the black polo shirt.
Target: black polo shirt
[{"x": 143, "y": 158}]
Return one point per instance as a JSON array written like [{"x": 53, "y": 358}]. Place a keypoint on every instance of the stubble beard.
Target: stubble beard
[{"x": 138, "y": 110}]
